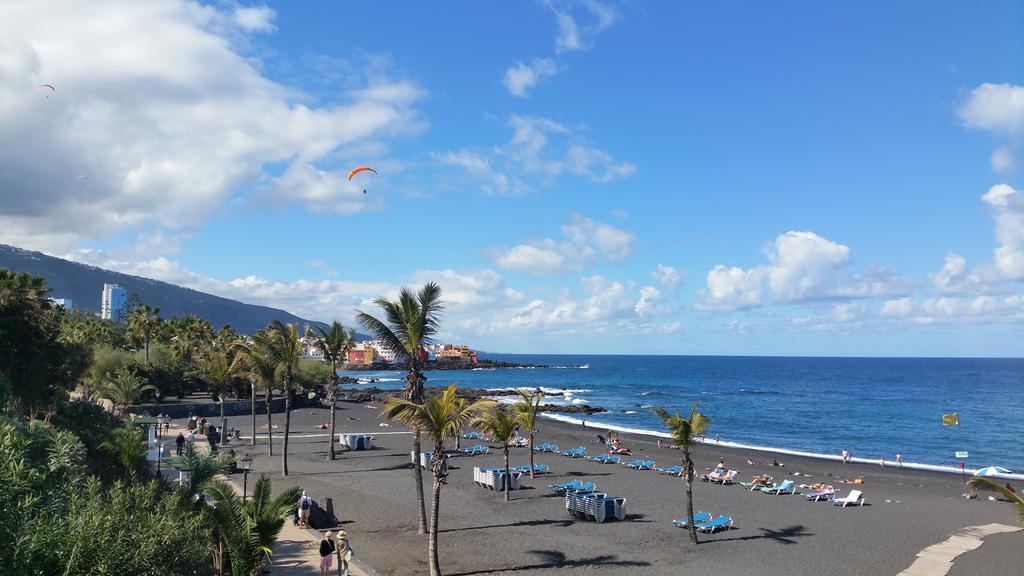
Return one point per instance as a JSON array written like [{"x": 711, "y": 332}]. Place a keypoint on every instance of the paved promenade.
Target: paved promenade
[{"x": 296, "y": 552}]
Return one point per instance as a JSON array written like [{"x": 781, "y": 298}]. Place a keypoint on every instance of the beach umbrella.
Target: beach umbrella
[{"x": 993, "y": 471}]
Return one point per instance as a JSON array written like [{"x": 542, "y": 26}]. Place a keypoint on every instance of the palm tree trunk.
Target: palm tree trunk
[
  {"x": 333, "y": 396},
  {"x": 252, "y": 439},
  {"x": 287, "y": 419},
  {"x": 147, "y": 349},
  {"x": 508, "y": 478},
  {"x": 437, "y": 466},
  {"x": 421, "y": 506},
  {"x": 688, "y": 475},
  {"x": 531, "y": 454},
  {"x": 415, "y": 387},
  {"x": 270, "y": 425}
]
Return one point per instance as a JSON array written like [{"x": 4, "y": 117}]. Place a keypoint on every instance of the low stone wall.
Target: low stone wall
[{"x": 207, "y": 409}]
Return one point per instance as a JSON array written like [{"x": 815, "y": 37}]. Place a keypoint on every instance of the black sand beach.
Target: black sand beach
[{"x": 906, "y": 510}]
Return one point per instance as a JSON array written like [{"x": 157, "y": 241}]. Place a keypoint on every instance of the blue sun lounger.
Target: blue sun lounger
[
  {"x": 473, "y": 436},
  {"x": 575, "y": 485},
  {"x": 786, "y": 486},
  {"x": 699, "y": 517},
  {"x": 537, "y": 469},
  {"x": 640, "y": 465},
  {"x": 474, "y": 450},
  {"x": 717, "y": 523},
  {"x": 676, "y": 470},
  {"x": 574, "y": 452},
  {"x": 605, "y": 458},
  {"x": 546, "y": 448}
]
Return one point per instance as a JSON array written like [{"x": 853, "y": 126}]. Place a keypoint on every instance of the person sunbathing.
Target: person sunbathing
[{"x": 762, "y": 480}]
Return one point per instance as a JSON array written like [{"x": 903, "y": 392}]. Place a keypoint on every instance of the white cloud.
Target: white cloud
[
  {"x": 956, "y": 309},
  {"x": 572, "y": 35},
  {"x": 320, "y": 190},
  {"x": 255, "y": 18},
  {"x": 651, "y": 303},
  {"x": 1007, "y": 206},
  {"x": 803, "y": 267},
  {"x": 167, "y": 122},
  {"x": 667, "y": 276},
  {"x": 539, "y": 150},
  {"x": 520, "y": 77},
  {"x": 595, "y": 164},
  {"x": 954, "y": 278},
  {"x": 995, "y": 107},
  {"x": 732, "y": 288},
  {"x": 1003, "y": 159},
  {"x": 583, "y": 241}
]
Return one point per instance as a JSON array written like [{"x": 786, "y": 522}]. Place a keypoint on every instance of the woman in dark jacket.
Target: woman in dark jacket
[{"x": 327, "y": 549}]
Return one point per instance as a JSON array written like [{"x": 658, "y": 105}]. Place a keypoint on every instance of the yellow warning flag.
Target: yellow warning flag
[{"x": 950, "y": 419}]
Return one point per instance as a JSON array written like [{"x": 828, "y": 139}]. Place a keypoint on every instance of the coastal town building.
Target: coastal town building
[
  {"x": 383, "y": 352},
  {"x": 362, "y": 355},
  {"x": 65, "y": 302},
  {"x": 114, "y": 298},
  {"x": 310, "y": 350},
  {"x": 457, "y": 353}
]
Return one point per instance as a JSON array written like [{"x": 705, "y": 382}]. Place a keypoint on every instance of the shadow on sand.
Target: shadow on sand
[
  {"x": 782, "y": 536},
  {"x": 562, "y": 523},
  {"x": 557, "y": 560}
]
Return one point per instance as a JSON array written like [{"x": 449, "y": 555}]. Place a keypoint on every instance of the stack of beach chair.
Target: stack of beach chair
[
  {"x": 495, "y": 478},
  {"x": 425, "y": 459},
  {"x": 357, "y": 441},
  {"x": 596, "y": 506}
]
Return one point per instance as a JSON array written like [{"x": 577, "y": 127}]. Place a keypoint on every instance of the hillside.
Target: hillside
[{"x": 83, "y": 284}]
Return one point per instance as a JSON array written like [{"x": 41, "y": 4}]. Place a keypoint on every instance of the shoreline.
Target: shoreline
[{"x": 580, "y": 422}]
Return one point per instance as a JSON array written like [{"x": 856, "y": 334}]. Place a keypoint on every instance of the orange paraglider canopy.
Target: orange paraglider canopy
[{"x": 360, "y": 169}]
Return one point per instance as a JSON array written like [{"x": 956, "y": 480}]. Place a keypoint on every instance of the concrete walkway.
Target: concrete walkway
[
  {"x": 297, "y": 550},
  {"x": 937, "y": 560}
]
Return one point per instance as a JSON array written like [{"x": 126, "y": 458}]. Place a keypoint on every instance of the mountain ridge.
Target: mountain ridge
[{"x": 83, "y": 284}]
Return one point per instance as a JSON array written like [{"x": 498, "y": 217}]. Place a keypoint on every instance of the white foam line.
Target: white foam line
[{"x": 727, "y": 444}]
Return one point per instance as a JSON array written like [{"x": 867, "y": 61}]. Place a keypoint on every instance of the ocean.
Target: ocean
[{"x": 873, "y": 407}]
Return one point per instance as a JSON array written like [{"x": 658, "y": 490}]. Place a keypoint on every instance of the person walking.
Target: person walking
[
  {"x": 179, "y": 442},
  {"x": 327, "y": 551},
  {"x": 344, "y": 552},
  {"x": 191, "y": 424},
  {"x": 846, "y": 456},
  {"x": 190, "y": 437},
  {"x": 305, "y": 503},
  {"x": 899, "y": 460}
]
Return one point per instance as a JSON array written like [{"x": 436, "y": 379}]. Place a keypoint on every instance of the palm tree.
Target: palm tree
[
  {"x": 412, "y": 321},
  {"x": 282, "y": 348},
  {"x": 334, "y": 344},
  {"x": 246, "y": 529},
  {"x": 219, "y": 374},
  {"x": 252, "y": 363},
  {"x": 1010, "y": 496},
  {"x": 22, "y": 286},
  {"x": 127, "y": 446},
  {"x": 123, "y": 388},
  {"x": 201, "y": 468},
  {"x": 439, "y": 418},
  {"x": 502, "y": 425},
  {"x": 685, "y": 432},
  {"x": 143, "y": 324},
  {"x": 527, "y": 409}
]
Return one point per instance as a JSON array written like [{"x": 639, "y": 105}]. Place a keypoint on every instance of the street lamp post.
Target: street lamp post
[
  {"x": 223, "y": 423},
  {"x": 157, "y": 394},
  {"x": 159, "y": 456},
  {"x": 245, "y": 466}
]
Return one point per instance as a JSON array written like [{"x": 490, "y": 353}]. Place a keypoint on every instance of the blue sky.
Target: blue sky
[{"x": 580, "y": 176}]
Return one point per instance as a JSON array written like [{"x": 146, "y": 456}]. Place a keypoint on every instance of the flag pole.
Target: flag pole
[{"x": 963, "y": 463}]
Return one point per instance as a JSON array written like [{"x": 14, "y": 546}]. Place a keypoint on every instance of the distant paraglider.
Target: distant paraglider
[
  {"x": 50, "y": 86},
  {"x": 358, "y": 170}
]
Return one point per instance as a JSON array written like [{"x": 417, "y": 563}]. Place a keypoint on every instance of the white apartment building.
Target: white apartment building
[
  {"x": 114, "y": 298},
  {"x": 386, "y": 354}
]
